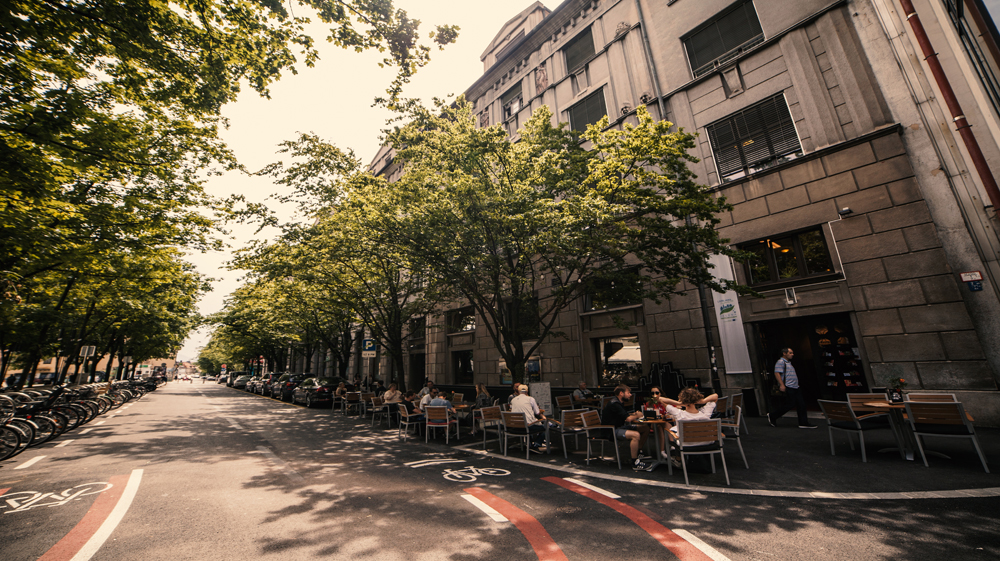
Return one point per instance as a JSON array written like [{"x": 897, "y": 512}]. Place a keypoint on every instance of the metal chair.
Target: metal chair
[
  {"x": 438, "y": 417},
  {"x": 840, "y": 416},
  {"x": 598, "y": 432},
  {"x": 732, "y": 424},
  {"x": 515, "y": 425},
  {"x": 942, "y": 419},
  {"x": 352, "y": 400},
  {"x": 458, "y": 398},
  {"x": 931, "y": 397},
  {"x": 380, "y": 409},
  {"x": 406, "y": 420},
  {"x": 571, "y": 424},
  {"x": 490, "y": 418},
  {"x": 867, "y": 412},
  {"x": 564, "y": 402},
  {"x": 700, "y": 437}
]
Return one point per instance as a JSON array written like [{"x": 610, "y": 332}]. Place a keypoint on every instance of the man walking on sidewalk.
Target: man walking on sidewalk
[{"x": 788, "y": 382}]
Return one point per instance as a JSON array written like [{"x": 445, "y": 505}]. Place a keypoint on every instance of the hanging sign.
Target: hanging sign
[{"x": 727, "y": 313}]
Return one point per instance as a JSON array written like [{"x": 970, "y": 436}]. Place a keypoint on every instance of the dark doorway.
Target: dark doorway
[
  {"x": 462, "y": 367},
  {"x": 826, "y": 354},
  {"x": 418, "y": 371}
]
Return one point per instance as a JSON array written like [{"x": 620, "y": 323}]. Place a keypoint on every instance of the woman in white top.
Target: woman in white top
[
  {"x": 392, "y": 395},
  {"x": 686, "y": 408}
]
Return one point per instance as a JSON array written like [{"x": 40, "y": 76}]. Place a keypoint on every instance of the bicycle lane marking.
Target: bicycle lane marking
[
  {"x": 83, "y": 541},
  {"x": 545, "y": 547},
  {"x": 683, "y": 549},
  {"x": 30, "y": 462}
]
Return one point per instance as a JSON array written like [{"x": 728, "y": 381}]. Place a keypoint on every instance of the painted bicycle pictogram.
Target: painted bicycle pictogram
[
  {"x": 470, "y": 473},
  {"x": 22, "y": 501}
]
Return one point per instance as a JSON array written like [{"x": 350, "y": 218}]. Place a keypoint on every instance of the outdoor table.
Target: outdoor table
[
  {"x": 658, "y": 424},
  {"x": 900, "y": 428}
]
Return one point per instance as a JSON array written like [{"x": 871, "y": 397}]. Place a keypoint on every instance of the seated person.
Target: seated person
[
  {"x": 415, "y": 413},
  {"x": 582, "y": 394},
  {"x": 686, "y": 408},
  {"x": 341, "y": 390},
  {"x": 483, "y": 397},
  {"x": 523, "y": 403},
  {"x": 661, "y": 409},
  {"x": 392, "y": 395},
  {"x": 426, "y": 389},
  {"x": 438, "y": 400},
  {"x": 615, "y": 415}
]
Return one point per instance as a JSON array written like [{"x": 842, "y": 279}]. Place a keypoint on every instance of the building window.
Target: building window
[
  {"x": 511, "y": 101},
  {"x": 578, "y": 50},
  {"x": 724, "y": 38},
  {"x": 588, "y": 111},
  {"x": 418, "y": 328},
  {"x": 624, "y": 289},
  {"x": 789, "y": 257},
  {"x": 527, "y": 320},
  {"x": 754, "y": 139},
  {"x": 979, "y": 37},
  {"x": 462, "y": 320}
]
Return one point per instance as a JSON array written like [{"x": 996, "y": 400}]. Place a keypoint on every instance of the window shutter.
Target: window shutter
[{"x": 579, "y": 49}]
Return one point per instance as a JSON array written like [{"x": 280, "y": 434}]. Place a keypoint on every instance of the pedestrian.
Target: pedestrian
[{"x": 788, "y": 382}]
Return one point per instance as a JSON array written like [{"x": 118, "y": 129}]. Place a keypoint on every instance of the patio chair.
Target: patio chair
[
  {"x": 459, "y": 397},
  {"x": 732, "y": 424},
  {"x": 352, "y": 400},
  {"x": 931, "y": 397},
  {"x": 571, "y": 424},
  {"x": 380, "y": 409},
  {"x": 736, "y": 400},
  {"x": 699, "y": 437},
  {"x": 516, "y": 426},
  {"x": 598, "y": 432},
  {"x": 366, "y": 398},
  {"x": 867, "y": 412},
  {"x": 946, "y": 420},
  {"x": 438, "y": 417},
  {"x": 564, "y": 402},
  {"x": 840, "y": 416},
  {"x": 490, "y": 418},
  {"x": 406, "y": 421}
]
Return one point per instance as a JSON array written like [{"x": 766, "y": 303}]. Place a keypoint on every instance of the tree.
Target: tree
[{"x": 523, "y": 229}]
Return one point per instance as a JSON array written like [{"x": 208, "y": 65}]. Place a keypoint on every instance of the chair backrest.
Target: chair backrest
[
  {"x": 367, "y": 396},
  {"x": 735, "y": 400},
  {"x": 515, "y": 421},
  {"x": 490, "y": 413},
  {"x": 921, "y": 413},
  {"x": 837, "y": 411},
  {"x": 932, "y": 397},
  {"x": 402, "y": 410},
  {"x": 572, "y": 418},
  {"x": 458, "y": 397},
  {"x": 723, "y": 404},
  {"x": 606, "y": 400},
  {"x": 436, "y": 413},
  {"x": 564, "y": 401},
  {"x": 700, "y": 430},
  {"x": 857, "y": 401},
  {"x": 590, "y": 418},
  {"x": 376, "y": 402},
  {"x": 733, "y": 422},
  {"x": 352, "y": 396}
]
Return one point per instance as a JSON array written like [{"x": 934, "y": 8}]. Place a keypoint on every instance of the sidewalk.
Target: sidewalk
[{"x": 787, "y": 460}]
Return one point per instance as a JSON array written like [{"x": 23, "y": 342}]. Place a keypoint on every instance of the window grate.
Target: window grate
[
  {"x": 578, "y": 50},
  {"x": 588, "y": 111}
]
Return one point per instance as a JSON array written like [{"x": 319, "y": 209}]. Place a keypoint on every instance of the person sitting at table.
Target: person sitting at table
[
  {"x": 426, "y": 390},
  {"x": 618, "y": 417},
  {"x": 523, "y": 403},
  {"x": 483, "y": 397},
  {"x": 438, "y": 400},
  {"x": 341, "y": 390},
  {"x": 582, "y": 394},
  {"x": 378, "y": 388},
  {"x": 686, "y": 407},
  {"x": 661, "y": 409},
  {"x": 426, "y": 400},
  {"x": 392, "y": 395},
  {"x": 416, "y": 413}
]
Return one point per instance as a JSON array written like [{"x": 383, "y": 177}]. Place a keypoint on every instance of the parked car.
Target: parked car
[
  {"x": 240, "y": 383},
  {"x": 286, "y": 385},
  {"x": 233, "y": 376},
  {"x": 314, "y": 391},
  {"x": 268, "y": 381},
  {"x": 252, "y": 384},
  {"x": 222, "y": 379}
]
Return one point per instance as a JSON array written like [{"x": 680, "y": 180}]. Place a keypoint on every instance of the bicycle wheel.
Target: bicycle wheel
[
  {"x": 45, "y": 429},
  {"x": 458, "y": 476},
  {"x": 27, "y": 429},
  {"x": 72, "y": 416},
  {"x": 10, "y": 442},
  {"x": 494, "y": 471},
  {"x": 58, "y": 419}
]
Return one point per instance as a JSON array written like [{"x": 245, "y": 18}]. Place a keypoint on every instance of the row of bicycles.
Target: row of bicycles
[{"x": 32, "y": 417}]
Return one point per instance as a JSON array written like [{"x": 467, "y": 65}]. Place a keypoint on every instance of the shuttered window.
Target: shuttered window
[
  {"x": 723, "y": 38},
  {"x": 588, "y": 111},
  {"x": 754, "y": 139},
  {"x": 578, "y": 50},
  {"x": 511, "y": 100}
]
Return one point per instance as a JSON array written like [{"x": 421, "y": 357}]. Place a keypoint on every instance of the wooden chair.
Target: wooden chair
[
  {"x": 840, "y": 416},
  {"x": 352, "y": 400},
  {"x": 866, "y": 412},
  {"x": 564, "y": 402},
  {"x": 406, "y": 421},
  {"x": 571, "y": 424},
  {"x": 366, "y": 398},
  {"x": 736, "y": 400},
  {"x": 606, "y": 400},
  {"x": 598, "y": 432},
  {"x": 459, "y": 397},
  {"x": 490, "y": 418},
  {"x": 931, "y": 397},
  {"x": 946, "y": 420},
  {"x": 732, "y": 424},
  {"x": 516, "y": 426},
  {"x": 439, "y": 417},
  {"x": 700, "y": 437},
  {"x": 380, "y": 409}
]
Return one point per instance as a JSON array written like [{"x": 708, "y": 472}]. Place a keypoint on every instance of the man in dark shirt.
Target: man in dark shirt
[{"x": 616, "y": 416}]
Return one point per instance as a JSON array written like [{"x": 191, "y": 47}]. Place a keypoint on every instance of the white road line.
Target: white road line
[
  {"x": 708, "y": 550},
  {"x": 63, "y": 443},
  {"x": 30, "y": 462},
  {"x": 104, "y": 532},
  {"x": 235, "y": 425},
  {"x": 99, "y": 423},
  {"x": 487, "y": 509},
  {"x": 85, "y": 431},
  {"x": 426, "y": 463},
  {"x": 280, "y": 464},
  {"x": 608, "y": 494}
]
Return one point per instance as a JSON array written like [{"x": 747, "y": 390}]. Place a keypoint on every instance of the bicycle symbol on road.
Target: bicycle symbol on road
[
  {"x": 27, "y": 500},
  {"x": 466, "y": 475}
]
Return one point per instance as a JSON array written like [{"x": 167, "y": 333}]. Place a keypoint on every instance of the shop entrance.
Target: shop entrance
[
  {"x": 826, "y": 354},
  {"x": 620, "y": 360}
]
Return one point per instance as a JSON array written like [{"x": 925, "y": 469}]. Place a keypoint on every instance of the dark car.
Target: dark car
[
  {"x": 286, "y": 385},
  {"x": 267, "y": 382},
  {"x": 314, "y": 391},
  {"x": 222, "y": 379}
]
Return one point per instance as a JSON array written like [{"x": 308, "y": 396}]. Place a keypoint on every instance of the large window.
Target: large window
[
  {"x": 462, "y": 320},
  {"x": 623, "y": 289},
  {"x": 788, "y": 257},
  {"x": 724, "y": 38},
  {"x": 588, "y": 111},
  {"x": 527, "y": 317},
  {"x": 578, "y": 51},
  {"x": 754, "y": 139},
  {"x": 511, "y": 100}
]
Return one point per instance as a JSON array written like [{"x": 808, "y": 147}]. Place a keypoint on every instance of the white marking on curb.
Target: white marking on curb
[
  {"x": 104, "y": 532},
  {"x": 487, "y": 509},
  {"x": 708, "y": 550},
  {"x": 30, "y": 462},
  {"x": 63, "y": 443},
  {"x": 85, "y": 431},
  {"x": 608, "y": 494},
  {"x": 280, "y": 464}
]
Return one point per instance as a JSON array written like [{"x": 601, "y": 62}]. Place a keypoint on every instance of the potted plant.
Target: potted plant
[{"x": 894, "y": 390}]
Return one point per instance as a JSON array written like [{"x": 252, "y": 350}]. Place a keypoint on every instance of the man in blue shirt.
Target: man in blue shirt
[{"x": 788, "y": 382}]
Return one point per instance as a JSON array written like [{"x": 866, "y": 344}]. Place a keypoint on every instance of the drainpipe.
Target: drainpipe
[
  {"x": 958, "y": 117},
  {"x": 652, "y": 65}
]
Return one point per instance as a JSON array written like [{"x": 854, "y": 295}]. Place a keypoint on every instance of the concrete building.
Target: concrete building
[{"x": 852, "y": 180}]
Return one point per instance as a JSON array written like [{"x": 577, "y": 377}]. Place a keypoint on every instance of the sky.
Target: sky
[{"x": 334, "y": 100}]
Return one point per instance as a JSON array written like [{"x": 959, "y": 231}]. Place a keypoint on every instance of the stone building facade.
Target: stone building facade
[{"x": 820, "y": 124}]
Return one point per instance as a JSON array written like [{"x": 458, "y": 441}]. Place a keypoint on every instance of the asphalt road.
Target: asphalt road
[{"x": 200, "y": 471}]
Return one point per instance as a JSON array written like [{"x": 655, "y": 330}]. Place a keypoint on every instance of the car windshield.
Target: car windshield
[{"x": 327, "y": 382}]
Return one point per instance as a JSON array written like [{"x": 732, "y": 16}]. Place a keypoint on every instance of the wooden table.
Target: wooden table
[{"x": 659, "y": 428}]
